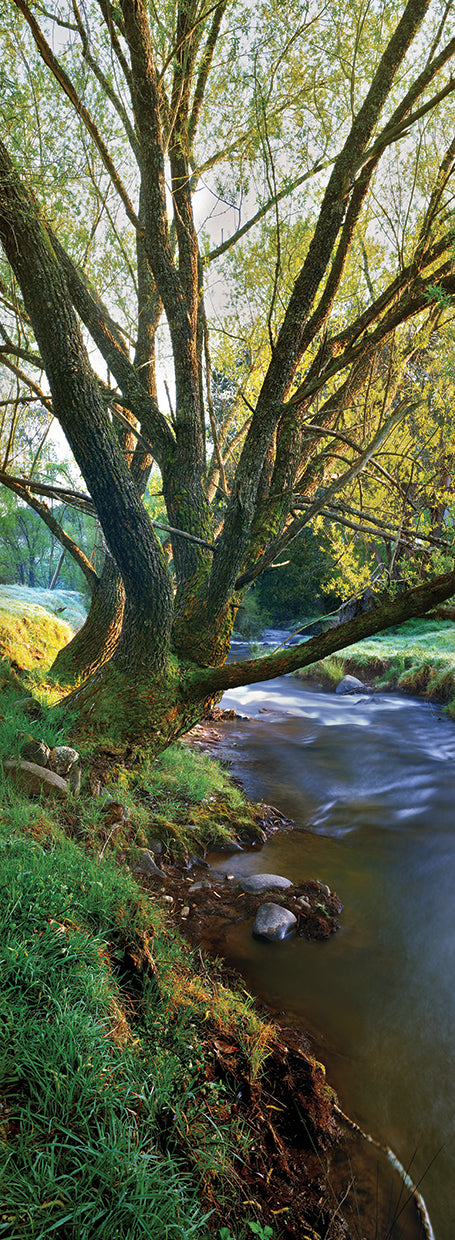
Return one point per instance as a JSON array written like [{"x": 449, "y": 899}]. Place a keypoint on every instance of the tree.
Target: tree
[{"x": 150, "y": 92}]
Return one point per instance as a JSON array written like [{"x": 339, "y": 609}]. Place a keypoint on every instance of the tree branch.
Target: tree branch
[
  {"x": 54, "y": 526},
  {"x": 70, "y": 91},
  {"x": 407, "y": 605}
]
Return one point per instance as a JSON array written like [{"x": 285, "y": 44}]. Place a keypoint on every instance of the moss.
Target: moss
[{"x": 30, "y": 636}]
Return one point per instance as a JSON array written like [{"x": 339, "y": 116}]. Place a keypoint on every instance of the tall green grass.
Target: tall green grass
[{"x": 95, "y": 1096}]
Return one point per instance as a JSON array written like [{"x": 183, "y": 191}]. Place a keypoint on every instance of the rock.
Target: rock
[
  {"x": 185, "y": 912},
  {"x": 155, "y": 846},
  {"x": 324, "y": 889},
  {"x": 273, "y": 922},
  {"x": 304, "y": 904},
  {"x": 35, "y": 751},
  {"x": 255, "y": 884},
  {"x": 62, "y": 758},
  {"x": 75, "y": 778},
  {"x": 202, "y": 885},
  {"x": 29, "y": 706},
  {"x": 350, "y": 684},
  {"x": 147, "y": 865},
  {"x": 223, "y": 846},
  {"x": 36, "y": 779}
]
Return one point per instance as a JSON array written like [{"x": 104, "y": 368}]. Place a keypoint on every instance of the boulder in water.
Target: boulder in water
[
  {"x": 273, "y": 922},
  {"x": 350, "y": 684}
]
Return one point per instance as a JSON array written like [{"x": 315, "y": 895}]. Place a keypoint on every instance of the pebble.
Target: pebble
[{"x": 304, "y": 904}]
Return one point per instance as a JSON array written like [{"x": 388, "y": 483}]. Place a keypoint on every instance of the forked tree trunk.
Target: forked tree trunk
[{"x": 97, "y": 640}]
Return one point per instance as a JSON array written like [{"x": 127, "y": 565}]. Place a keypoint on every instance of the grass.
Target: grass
[
  {"x": 113, "y": 1122},
  {"x": 77, "y": 1155},
  {"x": 192, "y": 798},
  {"x": 418, "y": 657},
  {"x": 35, "y": 624},
  {"x": 70, "y": 605}
]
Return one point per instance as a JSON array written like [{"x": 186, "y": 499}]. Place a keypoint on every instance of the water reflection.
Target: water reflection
[{"x": 370, "y": 785}]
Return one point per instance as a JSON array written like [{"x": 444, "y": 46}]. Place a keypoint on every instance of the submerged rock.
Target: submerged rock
[
  {"x": 254, "y": 884},
  {"x": 273, "y": 922},
  {"x": 350, "y": 684}
]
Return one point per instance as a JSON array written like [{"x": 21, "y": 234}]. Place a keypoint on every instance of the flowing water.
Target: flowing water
[{"x": 369, "y": 783}]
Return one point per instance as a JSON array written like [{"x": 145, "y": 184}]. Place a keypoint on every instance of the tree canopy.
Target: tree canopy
[{"x": 228, "y": 255}]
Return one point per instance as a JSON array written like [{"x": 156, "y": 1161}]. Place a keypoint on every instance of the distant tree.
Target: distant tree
[{"x": 298, "y": 587}]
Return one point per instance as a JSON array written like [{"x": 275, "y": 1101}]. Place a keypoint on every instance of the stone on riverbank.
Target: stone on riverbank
[
  {"x": 255, "y": 884},
  {"x": 273, "y": 922},
  {"x": 35, "y": 779},
  {"x": 146, "y": 864}
]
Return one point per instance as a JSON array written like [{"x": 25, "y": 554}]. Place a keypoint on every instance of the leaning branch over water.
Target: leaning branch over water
[{"x": 408, "y": 605}]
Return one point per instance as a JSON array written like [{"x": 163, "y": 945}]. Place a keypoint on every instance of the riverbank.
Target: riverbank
[
  {"x": 417, "y": 659},
  {"x": 143, "y": 1092},
  {"x": 243, "y": 1115}
]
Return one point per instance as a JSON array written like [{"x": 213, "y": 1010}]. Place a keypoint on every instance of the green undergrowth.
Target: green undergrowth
[
  {"x": 114, "y": 1121},
  {"x": 110, "y": 1122},
  {"x": 194, "y": 802},
  {"x": 417, "y": 658}
]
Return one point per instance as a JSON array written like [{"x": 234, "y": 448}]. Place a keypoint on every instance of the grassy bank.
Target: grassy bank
[
  {"x": 35, "y": 624},
  {"x": 418, "y": 658},
  {"x": 141, "y": 1093}
]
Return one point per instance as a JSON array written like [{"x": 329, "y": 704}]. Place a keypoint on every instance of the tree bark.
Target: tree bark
[
  {"x": 98, "y": 638},
  {"x": 78, "y": 406}
]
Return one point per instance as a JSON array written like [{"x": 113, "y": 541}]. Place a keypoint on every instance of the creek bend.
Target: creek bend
[{"x": 369, "y": 783}]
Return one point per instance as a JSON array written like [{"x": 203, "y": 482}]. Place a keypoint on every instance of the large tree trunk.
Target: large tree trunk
[
  {"x": 97, "y": 640},
  {"x": 79, "y": 408}
]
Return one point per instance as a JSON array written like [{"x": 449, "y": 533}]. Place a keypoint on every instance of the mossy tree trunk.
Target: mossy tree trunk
[{"x": 97, "y": 640}]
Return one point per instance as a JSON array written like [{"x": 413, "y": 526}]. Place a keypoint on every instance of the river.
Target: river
[{"x": 370, "y": 784}]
